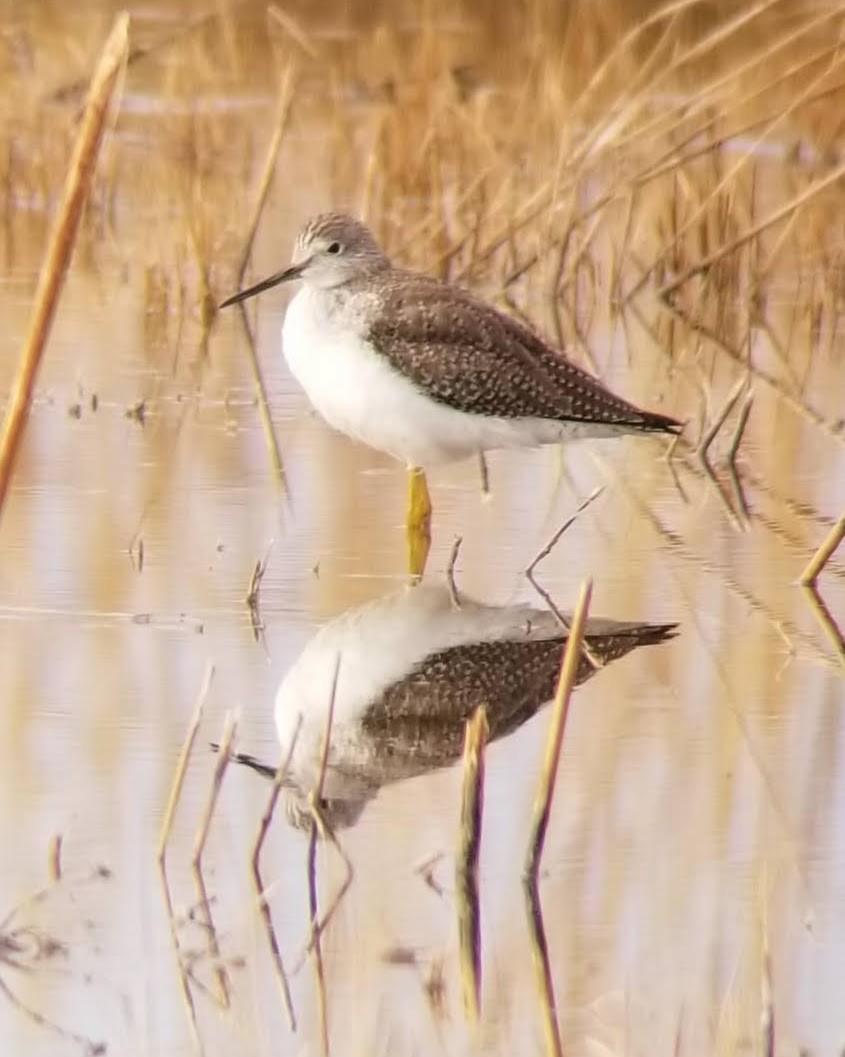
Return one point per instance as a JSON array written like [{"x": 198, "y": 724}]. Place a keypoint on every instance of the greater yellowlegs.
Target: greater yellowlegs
[
  {"x": 422, "y": 369},
  {"x": 411, "y": 669}
]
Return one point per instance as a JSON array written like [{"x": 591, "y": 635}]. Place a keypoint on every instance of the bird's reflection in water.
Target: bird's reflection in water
[{"x": 413, "y": 667}]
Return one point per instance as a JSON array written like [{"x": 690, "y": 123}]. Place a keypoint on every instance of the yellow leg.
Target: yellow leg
[{"x": 418, "y": 522}]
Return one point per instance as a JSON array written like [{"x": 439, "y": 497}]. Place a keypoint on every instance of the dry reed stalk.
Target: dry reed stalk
[
  {"x": 182, "y": 765},
  {"x": 263, "y": 404},
  {"x": 823, "y": 554},
  {"x": 749, "y": 154},
  {"x": 224, "y": 755},
  {"x": 164, "y": 837},
  {"x": 741, "y": 423},
  {"x": 286, "y": 91},
  {"x": 628, "y": 102},
  {"x": 797, "y": 202},
  {"x": 466, "y": 862},
  {"x": 566, "y": 624},
  {"x": 230, "y": 726},
  {"x": 275, "y": 789},
  {"x": 719, "y": 420},
  {"x": 720, "y": 94},
  {"x": 254, "y": 591},
  {"x": 802, "y": 409},
  {"x": 554, "y": 741},
  {"x": 472, "y": 798},
  {"x": 292, "y": 29},
  {"x": 788, "y": 630},
  {"x": 550, "y": 546},
  {"x": 60, "y": 246},
  {"x": 672, "y": 160}
]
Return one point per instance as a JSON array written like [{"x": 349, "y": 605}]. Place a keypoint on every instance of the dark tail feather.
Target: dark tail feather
[{"x": 654, "y": 422}]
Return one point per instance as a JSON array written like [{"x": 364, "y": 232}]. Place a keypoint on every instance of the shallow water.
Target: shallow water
[{"x": 699, "y": 791}]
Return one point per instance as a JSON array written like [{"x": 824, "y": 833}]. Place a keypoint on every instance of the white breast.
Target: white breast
[{"x": 351, "y": 387}]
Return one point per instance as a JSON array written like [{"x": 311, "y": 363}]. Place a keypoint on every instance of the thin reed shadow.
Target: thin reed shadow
[
  {"x": 264, "y": 406},
  {"x": 733, "y": 451},
  {"x": 164, "y": 837},
  {"x": 204, "y": 904},
  {"x": 767, "y": 1001},
  {"x": 733, "y": 517},
  {"x": 181, "y": 968},
  {"x": 825, "y": 620},
  {"x": 484, "y": 475},
  {"x": 319, "y": 825},
  {"x": 316, "y": 946},
  {"x": 26, "y": 948},
  {"x": 263, "y": 903},
  {"x": 542, "y": 967},
  {"x": 594, "y": 660},
  {"x": 253, "y": 596},
  {"x": 454, "y": 594},
  {"x": 737, "y": 510}
]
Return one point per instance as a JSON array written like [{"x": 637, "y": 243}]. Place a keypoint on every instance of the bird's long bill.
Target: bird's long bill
[{"x": 285, "y": 276}]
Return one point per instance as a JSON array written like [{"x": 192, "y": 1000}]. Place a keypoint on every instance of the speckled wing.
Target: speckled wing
[
  {"x": 421, "y": 718},
  {"x": 469, "y": 356}
]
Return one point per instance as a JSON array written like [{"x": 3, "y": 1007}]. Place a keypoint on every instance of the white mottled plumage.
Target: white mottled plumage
[{"x": 423, "y": 370}]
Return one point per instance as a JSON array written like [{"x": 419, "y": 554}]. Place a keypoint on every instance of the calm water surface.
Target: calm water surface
[{"x": 700, "y": 798}]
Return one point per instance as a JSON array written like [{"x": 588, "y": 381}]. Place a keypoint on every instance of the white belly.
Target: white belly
[{"x": 360, "y": 394}]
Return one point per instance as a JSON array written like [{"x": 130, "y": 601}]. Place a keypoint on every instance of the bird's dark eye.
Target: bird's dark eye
[{"x": 333, "y": 247}]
